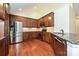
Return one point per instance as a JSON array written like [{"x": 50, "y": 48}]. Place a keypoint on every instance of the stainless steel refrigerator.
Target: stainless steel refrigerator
[{"x": 16, "y": 32}]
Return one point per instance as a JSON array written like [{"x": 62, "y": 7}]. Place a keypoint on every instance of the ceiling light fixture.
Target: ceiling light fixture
[
  {"x": 20, "y": 9},
  {"x": 35, "y": 7}
]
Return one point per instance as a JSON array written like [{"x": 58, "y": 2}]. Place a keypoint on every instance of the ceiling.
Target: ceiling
[
  {"x": 37, "y": 10},
  {"x": 33, "y": 10}
]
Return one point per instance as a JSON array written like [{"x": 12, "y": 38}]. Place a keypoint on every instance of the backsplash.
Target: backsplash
[{"x": 49, "y": 29}]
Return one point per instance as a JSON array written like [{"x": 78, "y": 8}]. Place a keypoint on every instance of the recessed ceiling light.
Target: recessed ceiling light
[
  {"x": 20, "y": 9},
  {"x": 50, "y": 18},
  {"x": 35, "y": 7}
]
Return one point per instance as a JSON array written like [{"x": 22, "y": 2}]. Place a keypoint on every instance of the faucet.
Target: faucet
[{"x": 62, "y": 31}]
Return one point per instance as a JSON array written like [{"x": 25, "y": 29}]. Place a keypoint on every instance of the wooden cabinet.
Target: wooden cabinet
[
  {"x": 46, "y": 37},
  {"x": 4, "y": 46},
  {"x": 2, "y": 11},
  {"x": 25, "y": 36},
  {"x": 27, "y": 22},
  {"x": 30, "y": 23},
  {"x": 30, "y": 35},
  {"x": 33, "y": 23},
  {"x": 48, "y": 20},
  {"x": 59, "y": 46}
]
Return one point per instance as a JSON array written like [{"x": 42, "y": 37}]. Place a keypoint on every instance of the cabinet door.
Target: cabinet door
[
  {"x": 47, "y": 37},
  {"x": 32, "y": 23},
  {"x": 6, "y": 45},
  {"x": 35, "y": 23},
  {"x": 60, "y": 48},
  {"x": 25, "y": 36},
  {"x": 2, "y": 12},
  {"x": 2, "y": 47},
  {"x": 48, "y": 19}
]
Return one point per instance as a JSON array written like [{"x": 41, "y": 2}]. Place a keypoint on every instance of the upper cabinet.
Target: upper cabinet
[
  {"x": 27, "y": 22},
  {"x": 47, "y": 20},
  {"x": 4, "y": 10},
  {"x": 4, "y": 17}
]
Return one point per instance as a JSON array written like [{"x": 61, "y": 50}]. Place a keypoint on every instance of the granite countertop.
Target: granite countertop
[{"x": 69, "y": 37}]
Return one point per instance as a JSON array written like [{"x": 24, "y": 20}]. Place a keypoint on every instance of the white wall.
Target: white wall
[
  {"x": 64, "y": 19},
  {"x": 71, "y": 20},
  {"x": 61, "y": 19}
]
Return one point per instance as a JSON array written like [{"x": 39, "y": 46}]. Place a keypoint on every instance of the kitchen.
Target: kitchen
[{"x": 49, "y": 23}]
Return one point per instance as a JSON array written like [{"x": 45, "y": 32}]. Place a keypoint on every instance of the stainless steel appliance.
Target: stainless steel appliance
[{"x": 16, "y": 32}]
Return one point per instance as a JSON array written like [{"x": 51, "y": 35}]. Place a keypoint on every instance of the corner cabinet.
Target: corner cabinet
[
  {"x": 2, "y": 12},
  {"x": 48, "y": 20}
]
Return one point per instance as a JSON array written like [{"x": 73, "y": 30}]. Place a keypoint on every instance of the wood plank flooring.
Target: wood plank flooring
[{"x": 32, "y": 47}]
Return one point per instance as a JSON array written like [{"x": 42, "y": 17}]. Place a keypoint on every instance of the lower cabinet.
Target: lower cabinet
[
  {"x": 4, "y": 47},
  {"x": 60, "y": 47},
  {"x": 46, "y": 37},
  {"x": 30, "y": 35}
]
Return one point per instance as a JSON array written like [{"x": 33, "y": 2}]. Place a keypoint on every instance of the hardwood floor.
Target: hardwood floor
[{"x": 32, "y": 47}]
